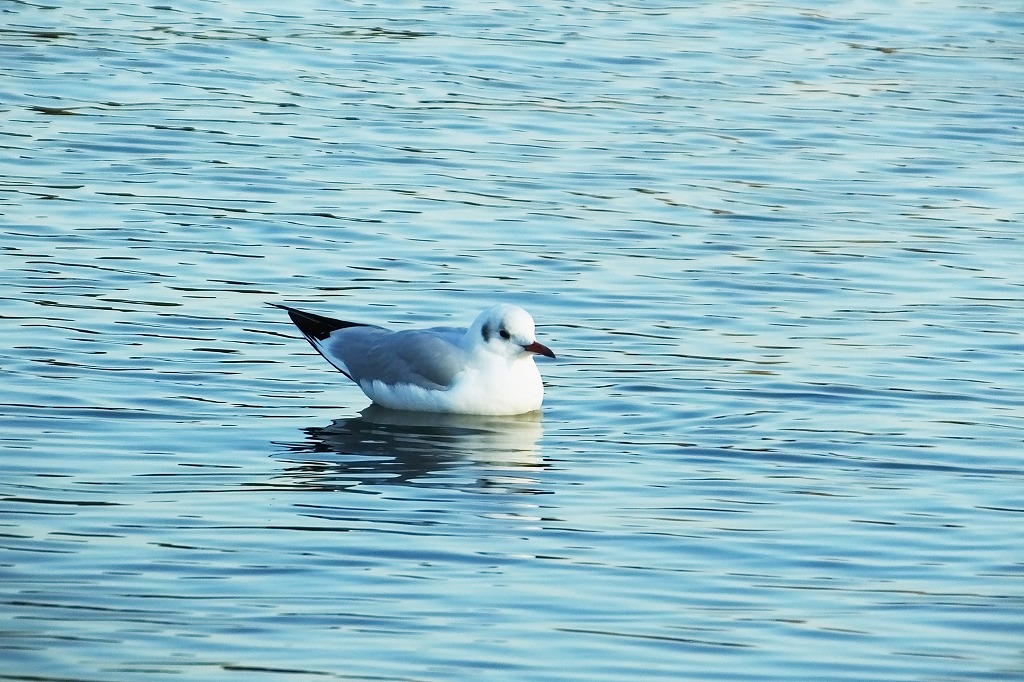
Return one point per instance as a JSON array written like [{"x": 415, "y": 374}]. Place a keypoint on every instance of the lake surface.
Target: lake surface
[{"x": 777, "y": 248}]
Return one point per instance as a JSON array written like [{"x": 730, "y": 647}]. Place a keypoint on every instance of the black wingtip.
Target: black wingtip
[{"x": 314, "y": 326}]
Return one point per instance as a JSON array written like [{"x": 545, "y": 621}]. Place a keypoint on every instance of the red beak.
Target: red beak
[{"x": 539, "y": 349}]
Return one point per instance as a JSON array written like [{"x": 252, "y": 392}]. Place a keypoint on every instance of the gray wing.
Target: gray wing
[{"x": 429, "y": 358}]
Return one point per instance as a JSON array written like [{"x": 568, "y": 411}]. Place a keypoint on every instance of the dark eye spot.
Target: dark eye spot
[
  {"x": 486, "y": 332},
  {"x": 504, "y": 334}
]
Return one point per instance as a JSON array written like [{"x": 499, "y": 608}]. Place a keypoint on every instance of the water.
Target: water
[{"x": 777, "y": 249}]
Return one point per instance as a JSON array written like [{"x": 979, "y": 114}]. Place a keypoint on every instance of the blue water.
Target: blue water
[{"x": 777, "y": 249}]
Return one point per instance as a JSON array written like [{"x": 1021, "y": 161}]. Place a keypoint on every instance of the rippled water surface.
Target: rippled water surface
[{"x": 777, "y": 248}]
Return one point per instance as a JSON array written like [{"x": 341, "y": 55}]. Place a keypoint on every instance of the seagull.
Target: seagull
[{"x": 487, "y": 369}]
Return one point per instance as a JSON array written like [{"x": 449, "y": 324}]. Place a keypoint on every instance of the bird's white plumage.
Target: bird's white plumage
[{"x": 486, "y": 369}]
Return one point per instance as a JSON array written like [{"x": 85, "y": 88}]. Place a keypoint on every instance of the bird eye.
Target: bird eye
[{"x": 504, "y": 334}]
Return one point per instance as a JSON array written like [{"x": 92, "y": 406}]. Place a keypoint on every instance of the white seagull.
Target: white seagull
[{"x": 486, "y": 369}]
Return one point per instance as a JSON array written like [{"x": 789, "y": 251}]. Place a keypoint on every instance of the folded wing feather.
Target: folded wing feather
[{"x": 430, "y": 359}]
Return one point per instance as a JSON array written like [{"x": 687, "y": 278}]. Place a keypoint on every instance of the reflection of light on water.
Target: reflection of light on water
[{"x": 382, "y": 446}]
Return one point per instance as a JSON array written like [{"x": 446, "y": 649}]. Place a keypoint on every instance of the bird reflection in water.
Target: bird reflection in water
[{"x": 390, "y": 447}]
